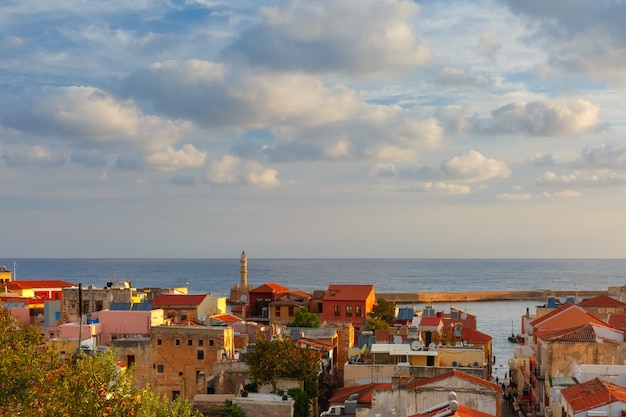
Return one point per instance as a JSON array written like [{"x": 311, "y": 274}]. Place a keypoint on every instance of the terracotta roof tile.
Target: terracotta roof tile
[
  {"x": 225, "y": 318},
  {"x": 431, "y": 321},
  {"x": 461, "y": 411},
  {"x": 179, "y": 299},
  {"x": 355, "y": 292},
  {"x": 601, "y": 300},
  {"x": 583, "y": 333},
  {"x": 364, "y": 392},
  {"x": 593, "y": 394},
  {"x": 458, "y": 374},
  {"x": 271, "y": 287},
  {"x": 617, "y": 320},
  {"x": 39, "y": 283},
  {"x": 474, "y": 336},
  {"x": 568, "y": 315}
]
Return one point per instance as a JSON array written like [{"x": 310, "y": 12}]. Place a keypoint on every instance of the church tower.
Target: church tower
[{"x": 239, "y": 293}]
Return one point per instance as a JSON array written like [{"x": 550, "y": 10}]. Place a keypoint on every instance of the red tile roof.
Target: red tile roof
[
  {"x": 593, "y": 394},
  {"x": 461, "y": 411},
  {"x": 225, "y": 318},
  {"x": 568, "y": 315},
  {"x": 179, "y": 300},
  {"x": 474, "y": 336},
  {"x": 601, "y": 300},
  {"x": 270, "y": 287},
  {"x": 617, "y": 320},
  {"x": 39, "y": 283},
  {"x": 355, "y": 292},
  {"x": 583, "y": 333},
  {"x": 458, "y": 374},
  {"x": 431, "y": 322},
  {"x": 364, "y": 392}
]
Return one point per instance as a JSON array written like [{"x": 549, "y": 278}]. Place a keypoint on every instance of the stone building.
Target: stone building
[{"x": 93, "y": 299}]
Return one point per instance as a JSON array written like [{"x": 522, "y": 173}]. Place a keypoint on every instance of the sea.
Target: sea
[{"x": 496, "y": 318}]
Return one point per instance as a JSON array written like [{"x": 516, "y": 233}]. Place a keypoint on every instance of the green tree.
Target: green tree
[
  {"x": 382, "y": 316},
  {"x": 304, "y": 318},
  {"x": 35, "y": 381},
  {"x": 283, "y": 358},
  {"x": 230, "y": 409},
  {"x": 302, "y": 402}
]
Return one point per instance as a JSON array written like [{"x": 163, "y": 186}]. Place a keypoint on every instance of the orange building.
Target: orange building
[{"x": 348, "y": 304}]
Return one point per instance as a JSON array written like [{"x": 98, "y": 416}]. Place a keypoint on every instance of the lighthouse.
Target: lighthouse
[{"x": 239, "y": 293}]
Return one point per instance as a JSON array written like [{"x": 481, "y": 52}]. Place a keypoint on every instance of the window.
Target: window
[
  {"x": 189, "y": 342},
  {"x": 211, "y": 342},
  {"x": 200, "y": 342},
  {"x": 358, "y": 311},
  {"x": 159, "y": 342},
  {"x": 348, "y": 311},
  {"x": 161, "y": 369},
  {"x": 290, "y": 311},
  {"x": 175, "y": 395},
  {"x": 183, "y": 317},
  {"x": 277, "y": 312},
  {"x": 130, "y": 359},
  {"x": 177, "y": 342},
  {"x": 201, "y": 355},
  {"x": 337, "y": 311}
]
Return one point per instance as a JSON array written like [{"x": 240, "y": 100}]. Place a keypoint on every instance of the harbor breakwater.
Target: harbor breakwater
[{"x": 452, "y": 297}]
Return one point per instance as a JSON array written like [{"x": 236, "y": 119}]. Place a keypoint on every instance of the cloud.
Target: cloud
[
  {"x": 551, "y": 179},
  {"x": 33, "y": 156},
  {"x": 473, "y": 166},
  {"x": 375, "y": 37},
  {"x": 229, "y": 170},
  {"x": 584, "y": 37},
  {"x": 556, "y": 117},
  {"x": 514, "y": 197},
  {"x": 87, "y": 116},
  {"x": 430, "y": 188},
  {"x": 559, "y": 117},
  {"x": 171, "y": 159},
  {"x": 454, "y": 77},
  {"x": 541, "y": 160},
  {"x": 212, "y": 96},
  {"x": 489, "y": 43},
  {"x": 606, "y": 156}
]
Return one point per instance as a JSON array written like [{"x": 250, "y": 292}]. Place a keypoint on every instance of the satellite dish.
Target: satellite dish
[
  {"x": 397, "y": 340},
  {"x": 463, "y": 316},
  {"x": 563, "y": 300},
  {"x": 432, "y": 346},
  {"x": 416, "y": 345},
  {"x": 202, "y": 317}
]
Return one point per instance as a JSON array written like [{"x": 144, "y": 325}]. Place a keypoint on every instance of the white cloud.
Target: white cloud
[
  {"x": 173, "y": 159},
  {"x": 473, "y": 166},
  {"x": 553, "y": 117},
  {"x": 551, "y": 179},
  {"x": 514, "y": 197},
  {"x": 606, "y": 156},
  {"x": 541, "y": 160},
  {"x": 231, "y": 170},
  {"x": 375, "y": 37},
  {"x": 90, "y": 117}
]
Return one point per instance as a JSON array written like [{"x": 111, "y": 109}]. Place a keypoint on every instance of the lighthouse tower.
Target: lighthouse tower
[
  {"x": 240, "y": 292},
  {"x": 243, "y": 270}
]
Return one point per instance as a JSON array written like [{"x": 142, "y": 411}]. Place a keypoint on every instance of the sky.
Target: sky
[{"x": 325, "y": 129}]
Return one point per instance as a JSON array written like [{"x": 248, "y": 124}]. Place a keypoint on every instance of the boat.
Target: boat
[{"x": 519, "y": 339}]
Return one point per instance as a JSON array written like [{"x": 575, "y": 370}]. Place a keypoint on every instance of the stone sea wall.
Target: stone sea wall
[{"x": 441, "y": 297}]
